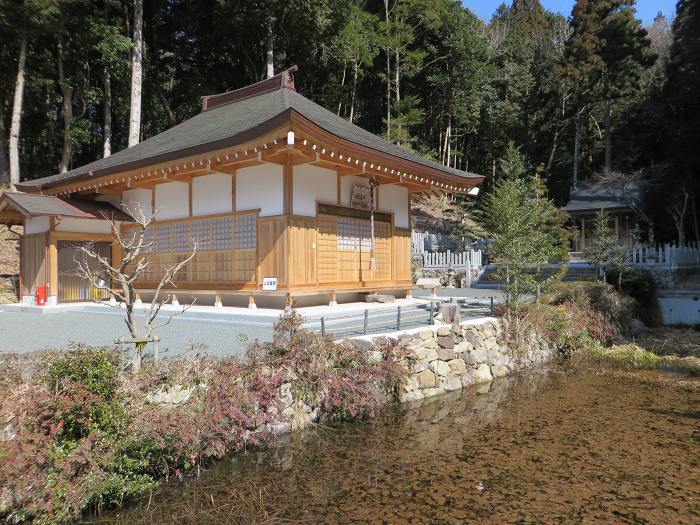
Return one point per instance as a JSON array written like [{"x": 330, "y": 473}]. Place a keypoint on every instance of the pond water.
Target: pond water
[{"x": 542, "y": 447}]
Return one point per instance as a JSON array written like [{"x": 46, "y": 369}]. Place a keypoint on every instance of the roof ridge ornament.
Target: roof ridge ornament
[{"x": 282, "y": 80}]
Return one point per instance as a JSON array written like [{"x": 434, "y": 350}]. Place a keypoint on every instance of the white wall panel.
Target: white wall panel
[
  {"x": 36, "y": 225},
  {"x": 395, "y": 199},
  {"x": 138, "y": 197},
  {"x": 260, "y": 187},
  {"x": 84, "y": 226},
  {"x": 212, "y": 194},
  {"x": 313, "y": 184},
  {"x": 172, "y": 200}
]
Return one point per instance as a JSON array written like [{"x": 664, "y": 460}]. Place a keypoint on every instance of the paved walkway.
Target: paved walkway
[
  {"x": 29, "y": 331},
  {"x": 25, "y": 332}
]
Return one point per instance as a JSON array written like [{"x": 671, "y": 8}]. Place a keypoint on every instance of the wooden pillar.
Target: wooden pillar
[
  {"x": 52, "y": 263},
  {"x": 189, "y": 195},
  {"x": 233, "y": 191},
  {"x": 251, "y": 303},
  {"x": 583, "y": 234},
  {"x": 333, "y": 301},
  {"x": 337, "y": 185},
  {"x": 288, "y": 185}
]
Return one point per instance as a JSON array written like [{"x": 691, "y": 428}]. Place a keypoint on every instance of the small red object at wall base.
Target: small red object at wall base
[{"x": 41, "y": 295}]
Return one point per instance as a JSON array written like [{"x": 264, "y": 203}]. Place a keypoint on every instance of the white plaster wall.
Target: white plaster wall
[
  {"x": 346, "y": 184},
  {"x": 137, "y": 197},
  {"x": 36, "y": 225},
  {"x": 313, "y": 184},
  {"x": 84, "y": 226},
  {"x": 212, "y": 194},
  {"x": 172, "y": 200},
  {"x": 395, "y": 199},
  {"x": 260, "y": 187}
]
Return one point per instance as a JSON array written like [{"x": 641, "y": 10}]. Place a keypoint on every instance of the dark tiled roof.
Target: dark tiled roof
[
  {"x": 230, "y": 124},
  {"x": 45, "y": 205},
  {"x": 592, "y": 197}
]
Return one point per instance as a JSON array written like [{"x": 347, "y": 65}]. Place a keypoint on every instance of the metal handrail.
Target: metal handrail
[{"x": 395, "y": 317}]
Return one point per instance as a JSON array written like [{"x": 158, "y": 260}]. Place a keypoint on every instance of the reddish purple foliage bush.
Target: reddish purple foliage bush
[{"x": 86, "y": 436}]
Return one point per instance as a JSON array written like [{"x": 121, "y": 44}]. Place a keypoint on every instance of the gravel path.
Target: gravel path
[{"x": 26, "y": 332}]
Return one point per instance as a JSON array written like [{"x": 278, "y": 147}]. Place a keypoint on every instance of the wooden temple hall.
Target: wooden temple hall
[{"x": 286, "y": 200}]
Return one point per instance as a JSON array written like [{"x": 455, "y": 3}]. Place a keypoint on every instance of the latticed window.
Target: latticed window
[
  {"x": 354, "y": 234},
  {"x": 365, "y": 233},
  {"x": 213, "y": 234},
  {"x": 245, "y": 232},
  {"x": 347, "y": 235}
]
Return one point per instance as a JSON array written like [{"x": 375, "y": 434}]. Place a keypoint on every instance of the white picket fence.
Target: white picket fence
[
  {"x": 426, "y": 242},
  {"x": 666, "y": 256},
  {"x": 457, "y": 260}
]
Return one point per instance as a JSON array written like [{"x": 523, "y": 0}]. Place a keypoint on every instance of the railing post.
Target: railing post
[
  {"x": 491, "y": 298},
  {"x": 432, "y": 307},
  {"x": 323, "y": 325},
  {"x": 398, "y": 318},
  {"x": 366, "y": 323}
]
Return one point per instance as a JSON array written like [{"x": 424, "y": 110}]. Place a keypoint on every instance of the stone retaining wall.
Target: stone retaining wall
[{"x": 444, "y": 358}]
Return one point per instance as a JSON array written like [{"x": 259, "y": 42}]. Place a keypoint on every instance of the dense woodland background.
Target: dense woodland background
[{"x": 578, "y": 96}]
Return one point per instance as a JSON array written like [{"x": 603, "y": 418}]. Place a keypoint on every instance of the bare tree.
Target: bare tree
[
  {"x": 136, "y": 75},
  {"x": 678, "y": 211},
  {"x": 119, "y": 278},
  {"x": 17, "y": 108}
]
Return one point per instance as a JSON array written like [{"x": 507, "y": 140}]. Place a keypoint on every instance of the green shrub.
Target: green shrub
[
  {"x": 599, "y": 298},
  {"x": 640, "y": 284}
]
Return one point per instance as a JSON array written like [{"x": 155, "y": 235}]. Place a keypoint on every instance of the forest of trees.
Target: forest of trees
[{"x": 592, "y": 93}]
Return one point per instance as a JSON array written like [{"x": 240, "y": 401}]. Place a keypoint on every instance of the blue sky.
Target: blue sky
[{"x": 647, "y": 9}]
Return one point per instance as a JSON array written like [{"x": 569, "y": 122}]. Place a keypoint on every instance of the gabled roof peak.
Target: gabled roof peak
[{"x": 282, "y": 80}]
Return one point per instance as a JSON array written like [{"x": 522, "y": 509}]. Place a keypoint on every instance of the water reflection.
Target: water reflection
[{"x": 534, "y": 447}]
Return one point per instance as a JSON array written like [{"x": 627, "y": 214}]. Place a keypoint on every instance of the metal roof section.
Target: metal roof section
[
  {"x": 588, "y": 197},
  {"x": 45, "y": 205}
]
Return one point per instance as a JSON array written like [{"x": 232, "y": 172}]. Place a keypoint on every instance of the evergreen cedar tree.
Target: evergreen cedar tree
[{"x": 428, "y": 74}]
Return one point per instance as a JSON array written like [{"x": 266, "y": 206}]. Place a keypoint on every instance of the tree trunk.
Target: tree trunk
[
  {"x": 67, "y": 102},
  {"x": 136, "y": 75},
  {"x": 388, "y": 71},
  {"x": 695, "y": 214},
  {"x": 397, "y": 78},
  {"x": 16, "y": 121},
  {"x": 342, "y": 88},
  {"x": 270, "y": 60},
  {"x": 577, "y": 149},
  {"x": 448, "y": 141},
  {"x": 107, "y": 125},
  {"x": 4, "y": 162},
  {"x": 354, "y": 90},
  {"x": 608, "y": 135}
]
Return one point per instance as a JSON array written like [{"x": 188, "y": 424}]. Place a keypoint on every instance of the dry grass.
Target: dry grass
[
  {"x": 9, "y": 251},
  {"x": 9, "y": 263},
  {"x": 682, "y": 342}
]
